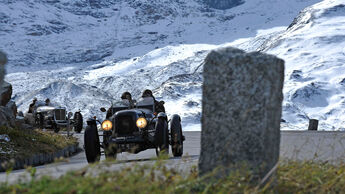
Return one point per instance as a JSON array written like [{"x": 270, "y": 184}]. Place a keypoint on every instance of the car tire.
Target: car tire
[
  {"x": 176, "y": 136},
  {"x": 78, "y": 122},
  {"x": 91, "y": 144},
  {"x": 162, "y": 136},
  {"x": 39, "y": 120}
]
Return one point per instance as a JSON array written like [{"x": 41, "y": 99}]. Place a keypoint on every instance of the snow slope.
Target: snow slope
[
  {"x": 48, "y": 34},
  {"x": 314, "y": 51},
  {"x": 174, "y": 38}
]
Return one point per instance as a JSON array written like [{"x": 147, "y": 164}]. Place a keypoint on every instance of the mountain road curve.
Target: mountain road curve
[{"x": 295, "y": 145}]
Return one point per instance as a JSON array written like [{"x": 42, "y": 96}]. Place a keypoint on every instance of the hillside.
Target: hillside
[{"x": 112, "y": 47}]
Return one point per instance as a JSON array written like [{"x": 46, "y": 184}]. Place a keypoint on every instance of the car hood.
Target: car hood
[{"x": 45, "y": 108}]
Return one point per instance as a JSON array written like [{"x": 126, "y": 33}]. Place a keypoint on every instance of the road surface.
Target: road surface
[{"x": 296, "y": 145}]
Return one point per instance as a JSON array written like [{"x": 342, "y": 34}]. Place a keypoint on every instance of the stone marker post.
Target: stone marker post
[
  {"x": 241, "y": 112},
  {"x": 313, "y": 125}
]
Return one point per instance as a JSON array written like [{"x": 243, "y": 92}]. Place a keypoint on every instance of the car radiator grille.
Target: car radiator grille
[
  {"x": 125, "y": 125},
  {"x": 60, "y": 114}
]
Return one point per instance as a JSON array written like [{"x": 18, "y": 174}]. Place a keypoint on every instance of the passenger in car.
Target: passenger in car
[
  {"x": 159, "y": 106},
  {"x": 32, "y": 105}
]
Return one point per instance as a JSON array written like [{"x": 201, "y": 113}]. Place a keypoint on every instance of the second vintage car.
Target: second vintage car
[
  {"x": 54, "y": 117},
  {"x": 133, "y": 130}
]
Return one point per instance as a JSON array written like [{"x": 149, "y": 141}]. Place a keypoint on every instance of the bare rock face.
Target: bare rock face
[
  {"x": 5, "y": 93},
  {"x": 241, "y": 112},
  {"x": 13, "y": 107},
  {"x": 3, "y": 61},
  {"x": 8, "y": 109},
  {"x": 5, "y": 87},
  {"x": 7, "y": 117}
]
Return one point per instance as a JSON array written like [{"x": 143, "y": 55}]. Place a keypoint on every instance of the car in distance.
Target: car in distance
[
  {"x": 133, "y": 130},
  {"x": 54, "y": 117}
]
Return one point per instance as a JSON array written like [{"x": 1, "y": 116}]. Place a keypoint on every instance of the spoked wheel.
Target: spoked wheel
[
  {"x": 78, "y": 122},
  {"x": 162, "y": 137},
  {"x": 176, "y": 136},
  {"x": 91, "y": 144}
]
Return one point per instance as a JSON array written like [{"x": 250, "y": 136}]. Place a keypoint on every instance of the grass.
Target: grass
[
  {"x": 25, "y": 143},
  {"x": 292, "y": 177}
]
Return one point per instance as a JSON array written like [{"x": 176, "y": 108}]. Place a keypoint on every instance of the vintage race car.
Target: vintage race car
[
  {"x": 54, "y": 117},
  {"x": 133, "y": 130}
]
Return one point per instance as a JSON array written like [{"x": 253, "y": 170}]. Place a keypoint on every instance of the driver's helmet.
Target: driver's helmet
[{"x": 147, "y": 93}]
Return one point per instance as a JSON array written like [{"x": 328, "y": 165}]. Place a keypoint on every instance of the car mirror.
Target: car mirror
[
  {"x": 103, "y": 109},
  {"x": 70, "y": 114}
]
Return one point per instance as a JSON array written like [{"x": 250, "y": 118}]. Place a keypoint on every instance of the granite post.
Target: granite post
[{"x": 241, "y": 112}]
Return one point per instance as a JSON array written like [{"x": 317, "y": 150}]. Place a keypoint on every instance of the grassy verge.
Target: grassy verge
[
  {"x": 293, "y": 177},
  {"x": 17, "y": 143}
]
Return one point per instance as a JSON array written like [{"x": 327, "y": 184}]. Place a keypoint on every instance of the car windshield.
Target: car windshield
[
  {"x": 147, "y": 103},
  {"x": 43, "y": 103},
  {"x": 121, "y": 104},
  {"x": 40, "y": 103},
  {"x": 117, "y": 106}
]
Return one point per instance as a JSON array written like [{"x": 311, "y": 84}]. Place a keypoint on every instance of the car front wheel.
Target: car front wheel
[
  {"x": 176, "y": 136},
  {"x": 78, "y": 122},
  {"x": 162, "y": 136},
  {"x": 91, "y": 144}
]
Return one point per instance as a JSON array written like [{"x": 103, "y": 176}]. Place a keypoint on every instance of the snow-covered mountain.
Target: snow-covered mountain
[
  {"x": 84, "y": 54},
  {"x": 314, "y": 51},
  {"x": 48, "y": 34}
]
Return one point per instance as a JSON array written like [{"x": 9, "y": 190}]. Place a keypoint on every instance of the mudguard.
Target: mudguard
[{"x": 162, "y": 115}]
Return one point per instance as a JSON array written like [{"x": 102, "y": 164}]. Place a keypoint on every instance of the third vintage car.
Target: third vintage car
[{"x": 133, "y": 129}]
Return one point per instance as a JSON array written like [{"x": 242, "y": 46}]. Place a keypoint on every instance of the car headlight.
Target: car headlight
[
  {"x": 141, "y": 122},
  {"x": 107, "y": 125}
]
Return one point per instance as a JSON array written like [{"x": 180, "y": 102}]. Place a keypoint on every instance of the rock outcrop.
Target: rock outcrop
[
  {"x": 5, "y": 93},
  {"x": 3, "y": 61},
  {"x": 7, "y": 117},
  {"x": 8, "y": 108},
  {"x": 241, "y": 113},
  {"x": 223, "y": 4}
]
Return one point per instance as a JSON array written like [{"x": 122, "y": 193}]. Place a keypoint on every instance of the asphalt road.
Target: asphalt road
[{"x": 295, "y": 145}]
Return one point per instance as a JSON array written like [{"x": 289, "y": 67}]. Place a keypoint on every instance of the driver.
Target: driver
[
  {"x": 159, "y": 107},
  {"x": 47, "y": 102},
  {"x": 128, "y": 96},
  {"x": 127, "y": 99}
]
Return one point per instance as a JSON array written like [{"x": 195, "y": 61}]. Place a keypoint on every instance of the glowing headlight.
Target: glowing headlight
[
  {"x": 107, "y": 125},
  {"x": 141, "y": 122}
]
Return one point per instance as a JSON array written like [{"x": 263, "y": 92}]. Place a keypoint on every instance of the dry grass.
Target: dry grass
[
  {"x": 25, "y": 143},
  {"x": 292, "y": 177}
]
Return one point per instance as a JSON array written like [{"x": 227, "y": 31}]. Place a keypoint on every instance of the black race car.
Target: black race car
[{"x": 129, "y": 128}]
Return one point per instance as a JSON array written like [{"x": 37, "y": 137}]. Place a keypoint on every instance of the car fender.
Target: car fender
[{"x": 162, "y": 115}]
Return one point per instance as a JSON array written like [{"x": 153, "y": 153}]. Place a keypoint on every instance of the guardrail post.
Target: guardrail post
[
  {"x": 313, "y": 124},
  {"x": 68, "y": 126}
]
